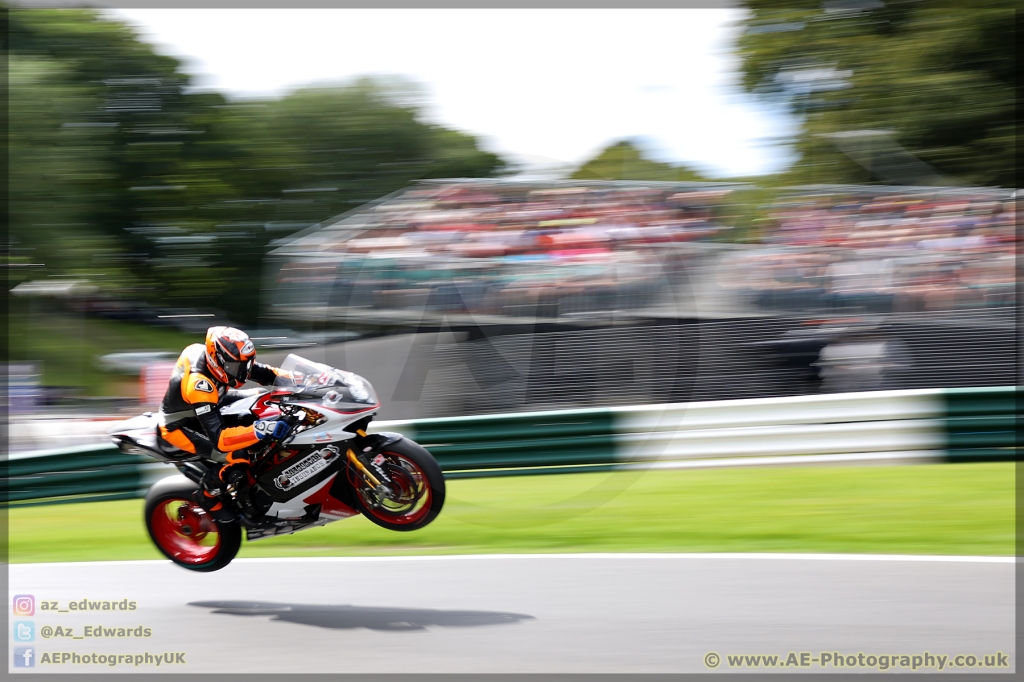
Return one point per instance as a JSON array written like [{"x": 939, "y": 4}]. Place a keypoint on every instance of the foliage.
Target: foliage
[
  {"x": 938, "y": 74},
  {"x": 162, "y": 193},
  {"x": 623, "y": 161},
  {"x": 55, "y": 166}
]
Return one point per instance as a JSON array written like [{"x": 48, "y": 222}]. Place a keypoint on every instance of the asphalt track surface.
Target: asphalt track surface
[{"x": 525, "y": 613}]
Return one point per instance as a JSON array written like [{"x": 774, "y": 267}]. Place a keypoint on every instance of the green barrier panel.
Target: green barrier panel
[
  {"x": 92, "y": 471},
  {"x": 530, "y": 443},
  {"x": 532, "y": 471},
  {"x": 84, "y": 476},
  {"x": 73, "y": 462},
  {"x": 552, "y": 455},
  {"x": 75, "y": 499},
  {"x": 585, "y": 437},
  {"x": 504, "y": 429},
  {"x": 966, "y": 402},
  {"x": 993, "y": 454},
  {"x": 108, "y": 480},
  {"x": 982, "y": 424}
]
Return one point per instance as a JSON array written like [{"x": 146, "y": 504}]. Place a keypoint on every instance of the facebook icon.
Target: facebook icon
[{"x": 24, "y": 657}]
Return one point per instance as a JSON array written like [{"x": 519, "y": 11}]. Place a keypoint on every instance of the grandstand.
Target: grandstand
[
  {"x": 883, "y": 249},
  {"x": 494, "y": 252}
]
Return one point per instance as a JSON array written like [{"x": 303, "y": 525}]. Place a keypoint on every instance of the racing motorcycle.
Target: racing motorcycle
[{"x": 327, "y": 468}]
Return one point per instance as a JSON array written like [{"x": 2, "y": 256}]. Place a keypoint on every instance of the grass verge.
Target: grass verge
[{"x": 962, "y": 509}]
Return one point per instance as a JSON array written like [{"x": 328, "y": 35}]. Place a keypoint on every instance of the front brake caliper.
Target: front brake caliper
[{"x": 378, "y": 463}]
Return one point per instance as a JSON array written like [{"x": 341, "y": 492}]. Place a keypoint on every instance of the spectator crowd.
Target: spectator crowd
[
  {"x": 509, "y": 248},
  {"x": 873, "y": 251},
  {"x": 520, "y": 249}
]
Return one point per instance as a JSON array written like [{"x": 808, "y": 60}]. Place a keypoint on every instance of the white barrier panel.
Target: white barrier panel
[
  {"x": 796, "y": 439},
  {"x": 883, "y": 421},
  {"x": 816, "y": 409},
  {"x": 26, "y": 435}
]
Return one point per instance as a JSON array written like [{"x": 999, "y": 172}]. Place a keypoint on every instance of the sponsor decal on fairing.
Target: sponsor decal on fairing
[{"x": 305, "y": 468}]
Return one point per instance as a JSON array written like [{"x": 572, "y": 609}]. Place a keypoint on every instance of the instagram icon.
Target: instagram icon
[{"x": 24, "y": 605}]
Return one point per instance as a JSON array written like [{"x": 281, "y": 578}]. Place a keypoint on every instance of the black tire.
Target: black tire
[
  {"x": 170, "y": 527},
  {"x": 432, "y": 487}
]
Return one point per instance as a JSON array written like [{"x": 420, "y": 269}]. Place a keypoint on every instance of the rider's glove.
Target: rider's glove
[{"x": 271, "y": 429}]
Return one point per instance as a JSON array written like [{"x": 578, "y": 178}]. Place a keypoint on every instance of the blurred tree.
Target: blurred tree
[
  {"x": 175, "y": 196},
  {"x": 321, "y": 151},
  {"x": 623, "y": 161},
  {"x": 884, "y": 85},
  {"x": 55, "y": 167}
]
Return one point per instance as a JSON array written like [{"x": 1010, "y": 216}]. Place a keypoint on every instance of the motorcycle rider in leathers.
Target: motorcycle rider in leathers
[{"x": 206, "y": 377}]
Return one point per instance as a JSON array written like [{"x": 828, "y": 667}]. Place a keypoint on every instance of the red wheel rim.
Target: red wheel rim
[
  {"x": 185, "y": 531},
  {"x": 414, "y": 485}
]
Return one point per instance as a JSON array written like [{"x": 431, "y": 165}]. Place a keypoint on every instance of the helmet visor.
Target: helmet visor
[{"x": 236, "y": 369}]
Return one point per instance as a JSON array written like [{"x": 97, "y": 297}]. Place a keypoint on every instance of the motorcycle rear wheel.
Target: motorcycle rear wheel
[
  {"x": 419, "y": 486},
  {"x": 184, "y": 532}
]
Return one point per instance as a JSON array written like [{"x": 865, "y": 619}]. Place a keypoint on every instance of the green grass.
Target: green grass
[
  {"x": 69, "y": 347},
  {"x": 927, "y": 509}
]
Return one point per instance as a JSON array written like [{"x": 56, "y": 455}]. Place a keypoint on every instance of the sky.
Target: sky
[{"x": 539, "y": 87}]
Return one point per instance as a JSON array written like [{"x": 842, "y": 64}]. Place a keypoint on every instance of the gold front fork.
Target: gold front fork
[{"x": 359, "y": 465}]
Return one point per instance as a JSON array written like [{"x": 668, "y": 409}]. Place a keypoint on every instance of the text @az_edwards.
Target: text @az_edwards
[
  {"x": 95, "y": 632},
  {"x": 842, "y": 661}
]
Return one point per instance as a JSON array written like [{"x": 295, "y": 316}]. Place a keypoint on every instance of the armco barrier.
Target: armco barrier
[
  {"x": 956, "y": 425},
  {"x": 982, "y": 424},
  {"x": 537, "y": 439},
  {"x": 89, "y": 472}
]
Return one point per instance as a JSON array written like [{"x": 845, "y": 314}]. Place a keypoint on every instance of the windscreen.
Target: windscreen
[{"x": 301, "y": 375}]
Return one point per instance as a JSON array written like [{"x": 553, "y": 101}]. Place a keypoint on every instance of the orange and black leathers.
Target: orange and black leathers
[{"x": 191, "y": 407}]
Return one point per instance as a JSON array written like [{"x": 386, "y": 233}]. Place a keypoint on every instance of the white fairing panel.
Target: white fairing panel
[
  {"x": 142, "y": 422},
  {"x": 140, "y": 430},
  {"x": 240, "y": 407}
]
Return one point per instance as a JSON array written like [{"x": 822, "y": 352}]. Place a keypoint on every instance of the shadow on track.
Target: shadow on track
[{"x": 345, "y": 616}]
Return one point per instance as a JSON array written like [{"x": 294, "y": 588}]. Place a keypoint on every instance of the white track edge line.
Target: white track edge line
[{"x": 594, "y": 555}]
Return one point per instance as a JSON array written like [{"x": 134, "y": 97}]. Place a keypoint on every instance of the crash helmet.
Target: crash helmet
[{"x": 229, "y": 355}]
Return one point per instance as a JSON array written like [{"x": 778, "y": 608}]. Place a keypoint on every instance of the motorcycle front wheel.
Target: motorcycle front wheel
[
  {"x": 184, "y": 532},
  {"x": 418, "y": 489}
]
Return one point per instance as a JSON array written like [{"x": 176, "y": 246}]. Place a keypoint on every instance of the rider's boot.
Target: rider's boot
[
  {"x": 220, "y": 507},
  {"x": 238, "y": 476},
  {"x": 214, "y": 499}
]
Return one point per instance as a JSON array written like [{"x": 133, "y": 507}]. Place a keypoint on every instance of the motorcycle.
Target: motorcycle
[{"x": 326, "y": 469}]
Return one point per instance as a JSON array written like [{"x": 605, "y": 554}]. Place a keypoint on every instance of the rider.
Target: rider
[{"x": 204, "y": 379}]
